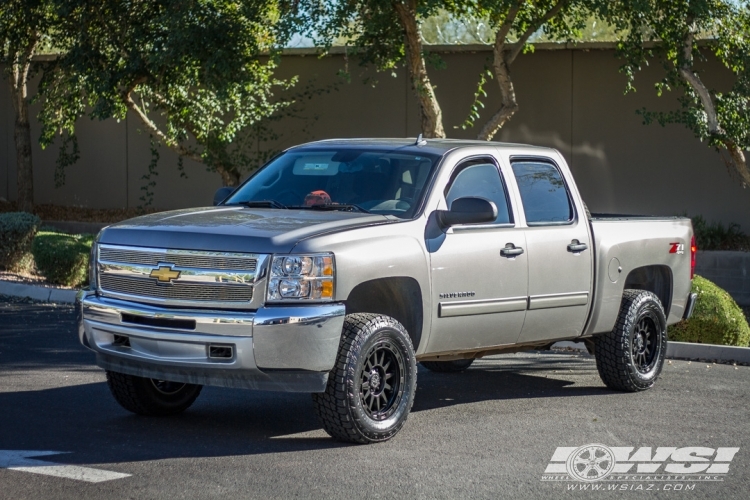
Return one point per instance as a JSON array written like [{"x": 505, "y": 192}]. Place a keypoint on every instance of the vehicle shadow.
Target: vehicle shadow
[
  {"x": 485, "y": 382},
  {"x": 85, "y": 419}
]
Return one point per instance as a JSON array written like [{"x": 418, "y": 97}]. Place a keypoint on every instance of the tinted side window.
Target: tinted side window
[
  {"x": 543, "y": 192},
  {"x": 481, "y": 180}
]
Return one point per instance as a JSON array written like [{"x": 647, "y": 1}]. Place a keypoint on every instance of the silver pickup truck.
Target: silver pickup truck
[{"x": 341, "y": 264}]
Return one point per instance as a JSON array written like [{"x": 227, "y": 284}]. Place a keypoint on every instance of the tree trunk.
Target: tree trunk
[
  {"x": 24, "y": 166},
  {"x": 22, "y": 130},
  {"x": 429, "y": 108},
  {"x": 503, "y": 57},
  {"x": 229, "y": 178},
  {"x": 737, "y": 158},
  {"x": 509, "y": 105}
]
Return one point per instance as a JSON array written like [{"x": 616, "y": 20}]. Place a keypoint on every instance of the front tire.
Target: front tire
[
  {"x": 371, "y": 387},
  {"x": 145, "y": 396},
  {"x": 455, "y": 366},
  {"x": 631, "y": 356}
]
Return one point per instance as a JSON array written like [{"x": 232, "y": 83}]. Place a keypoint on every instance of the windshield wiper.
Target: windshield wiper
[
  {"x": 346, "y": 207},
  {"x": 262, "y": 204}
]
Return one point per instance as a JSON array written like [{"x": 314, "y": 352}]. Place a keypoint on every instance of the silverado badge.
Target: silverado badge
[{"x": 164, "y": 274}]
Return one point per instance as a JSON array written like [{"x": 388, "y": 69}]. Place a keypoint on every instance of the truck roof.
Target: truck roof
[{"x": 435, "y": 146}]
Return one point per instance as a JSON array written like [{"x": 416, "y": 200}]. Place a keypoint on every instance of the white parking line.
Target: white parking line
[{"x": 18, "y": 460}]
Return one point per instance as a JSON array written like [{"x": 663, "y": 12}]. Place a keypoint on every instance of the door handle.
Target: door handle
[
  {"x": 511, "y": 250},
  {"x": 576, "y": 246}
]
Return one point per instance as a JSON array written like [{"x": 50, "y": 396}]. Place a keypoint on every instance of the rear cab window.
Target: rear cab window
[{"x": 544, "y": 193}]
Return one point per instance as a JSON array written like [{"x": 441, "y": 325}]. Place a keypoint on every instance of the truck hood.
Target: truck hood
[{"x": 233, "y": 229}]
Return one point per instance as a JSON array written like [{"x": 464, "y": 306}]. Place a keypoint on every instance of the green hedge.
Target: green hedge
[
  {"x": 63, "y": 259},
  {"x": 17, "y": 230},
  {"x": 717, "y": 319}
]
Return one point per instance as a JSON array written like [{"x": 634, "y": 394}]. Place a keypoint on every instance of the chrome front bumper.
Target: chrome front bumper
[{"x": 274, "y": 348}]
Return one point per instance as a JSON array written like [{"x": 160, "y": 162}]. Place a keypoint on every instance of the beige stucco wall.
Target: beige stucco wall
[{"x": 570, "y": 99}]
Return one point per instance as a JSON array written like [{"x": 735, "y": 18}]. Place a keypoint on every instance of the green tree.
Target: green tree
[
  {"x": 25, "y": 25},
  {"x": 720, "y": 119},
  {"x": 196, "y": 73}
]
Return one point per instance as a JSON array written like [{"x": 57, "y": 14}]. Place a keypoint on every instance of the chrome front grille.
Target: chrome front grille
[
  {"x": 177, "y": 291},
  {"x": 180, "y": 277},
  {"x": 180, "y": 258}
]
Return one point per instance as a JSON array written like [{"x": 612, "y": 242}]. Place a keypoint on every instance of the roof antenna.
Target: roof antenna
[{"x": 420, "y": 141}]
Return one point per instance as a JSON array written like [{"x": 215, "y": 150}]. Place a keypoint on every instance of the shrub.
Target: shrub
[
  {"x": 17, "y": 230},
  {"x": 62, "y": 259},
  {"x": 717, "y": 319},
  {"x": 714, "y": 236}
]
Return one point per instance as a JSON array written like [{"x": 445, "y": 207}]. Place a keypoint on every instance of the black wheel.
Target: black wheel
[
  {"x": 457, "y": 365},
  {"x": 631, "y": 356},
  {"x": 146, "y": 396},
  {"x": 371, "y": 388}
]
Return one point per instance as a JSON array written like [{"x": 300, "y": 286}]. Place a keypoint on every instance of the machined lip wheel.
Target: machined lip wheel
[
  {"x": 166, "y": 387},
  {"x": 381, "y": 383},
  {"x": 645, "y": 343}
]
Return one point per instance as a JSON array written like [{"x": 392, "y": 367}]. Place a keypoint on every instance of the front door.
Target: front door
[
  {"x": 480, "y": 295},
  {"x": 559, "y": 253}
]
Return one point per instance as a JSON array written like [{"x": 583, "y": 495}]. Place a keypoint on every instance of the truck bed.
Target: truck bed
[{"x": 631, "y": 249}]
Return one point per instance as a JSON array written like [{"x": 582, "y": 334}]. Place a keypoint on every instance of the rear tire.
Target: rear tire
[
  {"x": 631, "y": 356},
  {"x": 455, "y": 366},
  {"x": 145, "y": 396},
  {"x": 371, "y": 387}
]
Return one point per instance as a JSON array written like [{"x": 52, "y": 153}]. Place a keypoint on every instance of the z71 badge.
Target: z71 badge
[{"x": 678, "y": 248}]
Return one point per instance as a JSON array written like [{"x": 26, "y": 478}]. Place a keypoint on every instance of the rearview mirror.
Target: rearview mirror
[
  {"x": 468, "y": 210},
  {"x": 222, "y": 194}
]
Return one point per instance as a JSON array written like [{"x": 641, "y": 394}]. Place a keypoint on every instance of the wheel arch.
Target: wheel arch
[
  {"x": 399, "y": 297},
  {"x": 656, "y": 279}
]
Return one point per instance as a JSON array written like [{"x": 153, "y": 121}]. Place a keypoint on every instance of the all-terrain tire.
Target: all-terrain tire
[
  {"x": 375, "y": 354},
  {"x": 145, "y": 396},
  {"x": 455, "y": 366},
  {"x": 631, "y": 356}
]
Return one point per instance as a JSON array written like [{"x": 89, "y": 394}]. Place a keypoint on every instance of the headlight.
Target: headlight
[
  {"x": 92, "y": 268},
  {"x": 301, "y": 277}
]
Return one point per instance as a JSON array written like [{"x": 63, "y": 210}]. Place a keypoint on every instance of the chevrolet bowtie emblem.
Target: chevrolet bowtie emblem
[{"x": 164, "y": 274}]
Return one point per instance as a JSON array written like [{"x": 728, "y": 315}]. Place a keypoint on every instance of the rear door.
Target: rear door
[
  {"x": 479, "y": 285},
  {"x": 559, "y": 252}
]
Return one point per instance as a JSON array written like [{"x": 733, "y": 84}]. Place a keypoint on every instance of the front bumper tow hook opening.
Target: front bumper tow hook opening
[
  {"x": 220, "y": 352},
  {"x": 121, "y": 341}
]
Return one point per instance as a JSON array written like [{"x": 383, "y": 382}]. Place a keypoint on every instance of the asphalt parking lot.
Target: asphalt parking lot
[{"x": 487, "y": 433}]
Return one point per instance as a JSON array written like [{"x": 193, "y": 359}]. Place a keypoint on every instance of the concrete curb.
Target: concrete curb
[
  {"x": 687, "y": 350},
  {"x": 38, "y": 292}
]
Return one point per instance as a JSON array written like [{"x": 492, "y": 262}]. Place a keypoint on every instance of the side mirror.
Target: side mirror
[
  {"x": 222, "y": 194},
  {"x": 468, "y": 210}
]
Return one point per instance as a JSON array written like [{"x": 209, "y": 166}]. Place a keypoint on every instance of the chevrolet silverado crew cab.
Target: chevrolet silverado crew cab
[{"x": 341, "y": 264}]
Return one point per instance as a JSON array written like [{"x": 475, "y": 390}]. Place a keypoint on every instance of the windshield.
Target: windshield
[{"x": 366, "y": 180}]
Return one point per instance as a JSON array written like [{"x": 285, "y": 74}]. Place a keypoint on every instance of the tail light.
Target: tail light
[{"x": 693, "y": 250}]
